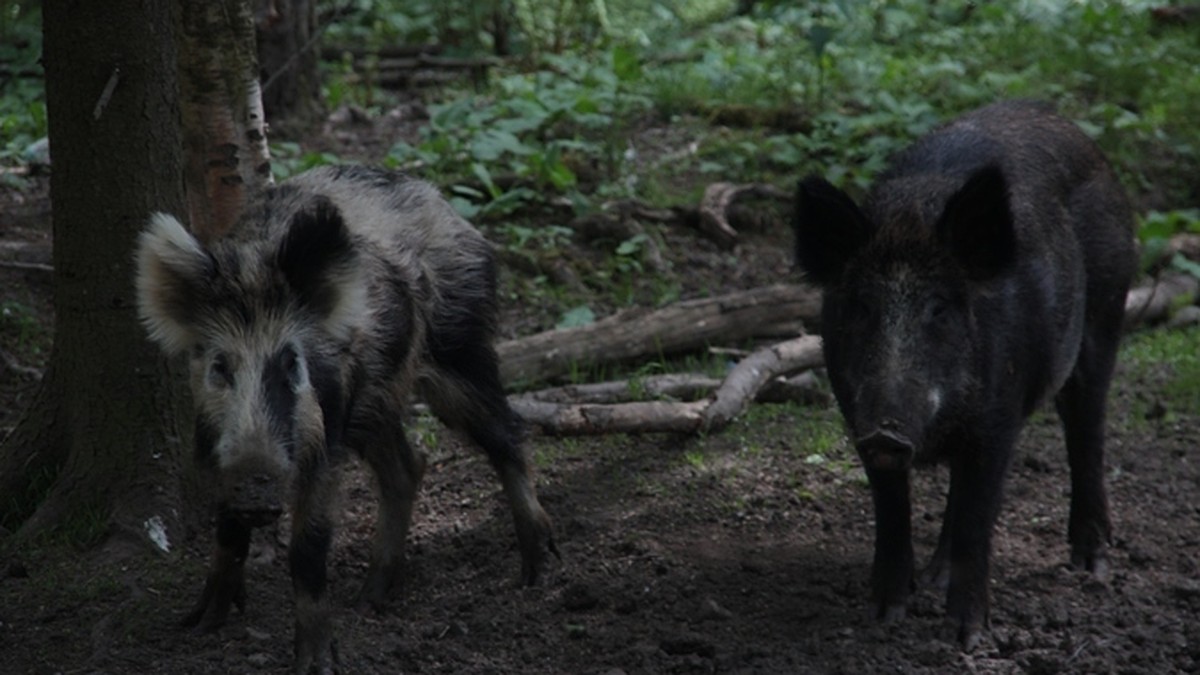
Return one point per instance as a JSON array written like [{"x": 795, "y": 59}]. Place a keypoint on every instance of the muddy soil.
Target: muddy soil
[{"x": 746, "y": 551}]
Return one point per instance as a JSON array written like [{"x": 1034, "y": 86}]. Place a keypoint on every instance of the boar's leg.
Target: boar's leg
[
  {"x": 226, "y": 583},
  {"x": 892, "y": 570},
  {"x": 307, "y": 552},
  {"x": 398, "y": 470},
  {"x": 976, "y": 482},
  {"x": 937, "y": 573},
  {"x": 1081, "y": 406},
  {"x": 466, "y": 394}
]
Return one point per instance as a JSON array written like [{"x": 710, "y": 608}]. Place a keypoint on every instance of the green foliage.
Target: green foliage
[
  {"x": 22, "y": 104},
  {"x": 576, "y": 317},
  {"x": 871, "y": 81},
  {"x": 22, "y": 332},
  {"x": 289, "y": 158},
  {"x": 537, "y": 128},
  {"x": 1155, "y": 232},
  {"x": 17, "y": 508},
  {"x": 1173, "y": 352}
]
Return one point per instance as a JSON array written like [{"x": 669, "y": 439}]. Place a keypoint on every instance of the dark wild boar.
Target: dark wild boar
[
  {"x": 307, "y": 328},
  {"x": 985, "y": 272}
]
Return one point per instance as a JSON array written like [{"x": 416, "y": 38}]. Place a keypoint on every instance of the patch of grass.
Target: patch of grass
[
  {"x": 18, "y": 508},
  {"x": 23, "y": 332},
  {"x": 82, "y": 528},
  {"x": 1174, "y": 356},
  {"x": 553, "y": 451},
  {"x": 696, "y": 460},
  {"x": 425, "y": 429}
]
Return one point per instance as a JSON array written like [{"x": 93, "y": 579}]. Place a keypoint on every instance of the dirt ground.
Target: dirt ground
[{"x": 747, "y": 551}]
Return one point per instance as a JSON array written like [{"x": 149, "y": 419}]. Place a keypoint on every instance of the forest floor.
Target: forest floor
[{"x": 746, "y": 551}]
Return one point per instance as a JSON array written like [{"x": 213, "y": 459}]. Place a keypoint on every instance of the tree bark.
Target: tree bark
[
  {"x": 288, "y": 56},
  {"x": 692, "y": 324},
  {"x": 99, "y": 453},
  {"x": 224, "y": 129}
]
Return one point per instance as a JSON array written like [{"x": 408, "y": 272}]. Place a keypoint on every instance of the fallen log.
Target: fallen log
[
  {"x": 782, "y": 309},
  {"x": 744, "y": 382},
  {"x": 629, "y": 418},
  {"x": 1156, "y": 300},
  {"x": 802, "y": 388}
]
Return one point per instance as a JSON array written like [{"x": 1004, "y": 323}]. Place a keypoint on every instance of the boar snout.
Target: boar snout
[
  {"x": 255, "y": 499},
  {"x": 885, "y": 448}
]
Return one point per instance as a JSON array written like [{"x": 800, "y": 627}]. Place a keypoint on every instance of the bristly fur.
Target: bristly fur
[
  {"x": 169, "y": 262},
  {"x": 308, "y": 327},
  {"x": 984, "y": 273}
]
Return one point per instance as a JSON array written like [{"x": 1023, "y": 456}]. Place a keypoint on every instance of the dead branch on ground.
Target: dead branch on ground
[
  {"x": 717, "y": 200},
  {"x": 731, "y": 398}
]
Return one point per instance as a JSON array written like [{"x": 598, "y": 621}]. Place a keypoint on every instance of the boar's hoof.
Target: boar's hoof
[
  {"x": 533, "y": 561},
  {"x": 885, "y": 450},
  {"x": 536, "y": 538},
  {"x": 318, "y": 659},
  {"x": 1095, "y": 561},
  {"x": 970, "y": 634},
  {"x": 316, "y": 650}
]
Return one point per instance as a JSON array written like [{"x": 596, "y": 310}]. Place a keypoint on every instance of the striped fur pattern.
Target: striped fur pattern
[{"x": 308, "y": 327}]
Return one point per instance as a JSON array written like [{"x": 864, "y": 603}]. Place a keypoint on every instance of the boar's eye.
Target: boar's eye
[
  {"x": 219, "y": 371},
  {"x": 857, "y": 309}
]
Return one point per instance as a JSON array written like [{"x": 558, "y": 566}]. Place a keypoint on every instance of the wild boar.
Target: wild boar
[
  {"x": 307, "y": 328},
  {"x": 985, "y": 272}
]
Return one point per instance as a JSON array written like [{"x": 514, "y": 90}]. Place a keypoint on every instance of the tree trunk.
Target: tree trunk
[
  {"x": 287, "y": 56},
  {"x": 99, "y": 453},
  {"x": 224, "y": 130}
]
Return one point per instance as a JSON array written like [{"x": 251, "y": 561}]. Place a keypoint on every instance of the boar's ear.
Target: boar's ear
[
  {"x": 977, "y": 224},
  {"x": 318, "y": 261},
  {"x": 829, "y": 229},
  {"x": 174, "y": 275}
]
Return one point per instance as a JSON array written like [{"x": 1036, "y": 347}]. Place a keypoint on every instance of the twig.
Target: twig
[
  {"x": 10, "y": 363},
  {"x": 32, "y": 267},
  {"x": 107, "y": 93}
]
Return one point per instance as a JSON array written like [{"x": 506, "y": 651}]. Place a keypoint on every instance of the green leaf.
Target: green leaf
[
  {"x": 489, "y": 145},
  {"x": 485, "y": 177},
  {"x": 467, "y": 191},
  {"x": 509, "y": 201},
  {"x": 579, "y": 316},
  {"x": 1186, "y": 266},
  {"x": 819, "y": 37},
  {"x": 626, "y": 64},
  {"x": 632, "y": 245},
  {"x": 465, "y": 207}
]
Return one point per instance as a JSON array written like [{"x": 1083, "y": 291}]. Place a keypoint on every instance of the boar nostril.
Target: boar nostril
[
  {"x": 885, "y": 449},
  {"x": 890, "y": 424}
]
